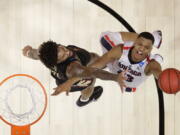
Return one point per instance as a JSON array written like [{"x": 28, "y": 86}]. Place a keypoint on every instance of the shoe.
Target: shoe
[
  {"x": 157, "y": 38},
  {"x": 94, "y": 97}
]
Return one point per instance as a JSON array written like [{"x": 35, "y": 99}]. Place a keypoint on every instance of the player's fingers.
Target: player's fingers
[
  {"x": 25, "y": 52},
  {"x": 124, "y": 86},
  {"x": 26, "y": 49},
  {"x": 54, "y": 93},
  {"x": 67, "y": 93},
  {"x": 124, "y": 78},
  {"x": 121, "y": 77},
  {"x": 125, "y": 71},
  {"x": 121, "y": 88}
]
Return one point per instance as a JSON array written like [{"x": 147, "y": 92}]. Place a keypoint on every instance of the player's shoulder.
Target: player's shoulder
[
  {"x": 154, "y": 62},
  {"x": 74, "y": 47},
  {"x": 156, "y": 57},
  {"x": 77, "y": 49}
]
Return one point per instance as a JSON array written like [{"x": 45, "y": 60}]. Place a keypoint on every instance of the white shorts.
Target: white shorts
[{"x": 110, "y": 39}]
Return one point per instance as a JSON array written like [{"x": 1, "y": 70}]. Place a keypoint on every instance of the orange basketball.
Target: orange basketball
[{"x": 169, "y": 81}]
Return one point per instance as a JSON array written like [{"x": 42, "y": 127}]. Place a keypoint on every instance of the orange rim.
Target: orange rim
[
  {"x": 44, "y": 91},
  {"x": 23, "y": 130}
]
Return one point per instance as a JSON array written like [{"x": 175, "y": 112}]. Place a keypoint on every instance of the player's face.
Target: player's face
[
  {"x": 142, "y": 48},
  {"x": 63, "y": 53}
]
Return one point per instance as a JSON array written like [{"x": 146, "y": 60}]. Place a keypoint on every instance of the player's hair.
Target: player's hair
[
  {"x": 48, "y": 53},
  {"x": 147, "y": 35}
]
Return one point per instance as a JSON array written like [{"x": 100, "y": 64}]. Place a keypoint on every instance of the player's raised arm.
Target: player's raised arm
[
  {"x": 110, "y": 56},
  {"x": 30, "y": 52},
  {"x": 128, "y": 36},
  {"x": 154, "y": 68},
  {"x": 76, "y": 72}
]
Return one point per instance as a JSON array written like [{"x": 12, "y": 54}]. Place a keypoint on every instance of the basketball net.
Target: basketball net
[{"x": 23, "y": 102}]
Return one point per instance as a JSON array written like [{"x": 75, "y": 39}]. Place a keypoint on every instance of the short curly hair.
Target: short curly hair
[
  {"x": 147, "y": 35},
  {"x": 48, "y": 53}
]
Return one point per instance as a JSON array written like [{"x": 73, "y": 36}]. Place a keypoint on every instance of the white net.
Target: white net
[{"x": 22, "y": 100}]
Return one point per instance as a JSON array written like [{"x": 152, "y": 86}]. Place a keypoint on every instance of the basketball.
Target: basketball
[{"x": 169, "y": 80}]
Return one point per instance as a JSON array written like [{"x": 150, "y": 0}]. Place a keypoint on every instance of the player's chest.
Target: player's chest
[{"x": 134, "y": 69}]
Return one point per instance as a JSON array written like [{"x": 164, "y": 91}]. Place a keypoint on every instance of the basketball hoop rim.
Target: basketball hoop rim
[{"x": 44, "y": 91}]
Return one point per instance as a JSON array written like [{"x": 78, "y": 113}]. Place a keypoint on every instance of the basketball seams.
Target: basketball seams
[
  {"x": 174, "y": 80},
  {"x": 169, "y": 80},
  {"x": 177, "y": 74}
]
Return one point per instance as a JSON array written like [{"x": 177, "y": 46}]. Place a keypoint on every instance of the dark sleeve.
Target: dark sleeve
[{"x": 83, "y": 54}]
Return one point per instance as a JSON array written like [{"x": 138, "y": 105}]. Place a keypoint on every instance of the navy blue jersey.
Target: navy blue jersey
[{"x": 59, "y": 71}]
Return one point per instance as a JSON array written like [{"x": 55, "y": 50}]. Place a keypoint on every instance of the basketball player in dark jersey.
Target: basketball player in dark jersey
[{"x": 67, "y": 62}]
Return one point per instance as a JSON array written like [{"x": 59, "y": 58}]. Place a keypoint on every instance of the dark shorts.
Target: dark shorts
[
  {"x": 105, "y": 44},
  {"x": 80, "y": 85}
]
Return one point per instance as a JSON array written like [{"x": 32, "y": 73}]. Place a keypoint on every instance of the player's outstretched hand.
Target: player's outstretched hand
[
  {"x": 26, "y": 50},
  {"x": 65, "y": 87},
  {"x": 121, "y": 79}
]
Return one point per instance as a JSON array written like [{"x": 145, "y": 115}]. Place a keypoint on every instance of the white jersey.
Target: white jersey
[{"x": 135, "y": 74}]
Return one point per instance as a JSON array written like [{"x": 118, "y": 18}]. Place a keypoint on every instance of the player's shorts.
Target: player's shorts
[
  {"x": 79, "y": 85},
  {"x": 109, "y": 40}
]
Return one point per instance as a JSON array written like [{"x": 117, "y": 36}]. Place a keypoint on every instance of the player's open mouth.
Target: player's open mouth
[{"x": 139, "y": 53}]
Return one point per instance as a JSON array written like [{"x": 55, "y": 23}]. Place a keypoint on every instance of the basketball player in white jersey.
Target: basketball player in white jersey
[{"x": 129, "y": 55}]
